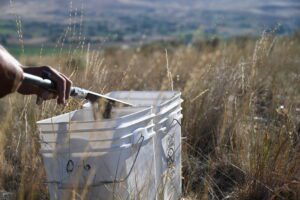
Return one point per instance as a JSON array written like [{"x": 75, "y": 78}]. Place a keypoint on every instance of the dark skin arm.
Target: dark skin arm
[{"x": 11, "y": 76}]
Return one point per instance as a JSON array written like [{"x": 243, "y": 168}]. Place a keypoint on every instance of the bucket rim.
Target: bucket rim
[{"x": 41, "y": 122}]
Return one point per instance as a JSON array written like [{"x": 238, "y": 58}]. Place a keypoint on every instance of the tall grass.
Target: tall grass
[{"x": 241, "y": 114}]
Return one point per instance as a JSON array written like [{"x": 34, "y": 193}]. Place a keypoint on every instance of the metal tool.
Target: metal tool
[{"x": 76, "y": 92}]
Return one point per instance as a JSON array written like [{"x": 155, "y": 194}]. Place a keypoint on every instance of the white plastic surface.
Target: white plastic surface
[
  {"x": 167, "y": 110},
  {"x": 136, "y": 142}
]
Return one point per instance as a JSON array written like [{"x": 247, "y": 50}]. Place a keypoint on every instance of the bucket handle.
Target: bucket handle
[
  {"x": 142, "y": 132},
  {"x": 172, "y": 120},
  {"x": 174, "y": 117},
  {"x": 99, "y": 183}
]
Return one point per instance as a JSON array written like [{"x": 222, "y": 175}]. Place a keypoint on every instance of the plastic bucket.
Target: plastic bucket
[
  {"x": 167, "y": 109},
  {"x": 134, "y": 155},
  {"x": 90, "y": 159}
]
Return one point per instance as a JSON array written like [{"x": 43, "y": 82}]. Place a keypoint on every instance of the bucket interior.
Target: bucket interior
[{"x": 144, "y": 98}]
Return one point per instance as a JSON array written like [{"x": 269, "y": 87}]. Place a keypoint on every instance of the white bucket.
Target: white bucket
[
  {"x": 167, "y": 120},
  {"x": 134, "y": 155},
  {"x": 92, "y": 159}
]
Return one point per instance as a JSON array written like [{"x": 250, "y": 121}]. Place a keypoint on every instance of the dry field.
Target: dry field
[{"x": 241, "y": 123}]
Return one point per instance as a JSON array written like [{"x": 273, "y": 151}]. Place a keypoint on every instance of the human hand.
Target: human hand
[{"x": 63, "y": 85}]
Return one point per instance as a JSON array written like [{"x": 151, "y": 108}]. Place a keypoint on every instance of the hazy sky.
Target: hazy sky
[{"x": 284, "y": 8}]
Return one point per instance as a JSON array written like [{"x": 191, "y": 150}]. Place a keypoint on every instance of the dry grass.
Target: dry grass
[{"x": 241, "y": 114}]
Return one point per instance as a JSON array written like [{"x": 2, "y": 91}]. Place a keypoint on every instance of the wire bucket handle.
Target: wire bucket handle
[{"x": 140, "y": 135}]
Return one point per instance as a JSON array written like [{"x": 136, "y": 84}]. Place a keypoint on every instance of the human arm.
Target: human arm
[
  {"x": 11, "y": 73},
  {"x": 11, "y": 76}
]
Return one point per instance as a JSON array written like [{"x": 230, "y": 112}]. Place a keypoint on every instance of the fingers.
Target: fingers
[
  {"x": 45, "y": 95},
  {"x": 48, "y": 95},
  {"x": 60, "y": 82},
  {"x": 26, "y": 89},
  {"x": 63, "y": 84},
  {"x": 68, "y": 85}
]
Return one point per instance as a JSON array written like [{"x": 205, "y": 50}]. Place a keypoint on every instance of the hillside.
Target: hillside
[{"x": 132, "y": 20}]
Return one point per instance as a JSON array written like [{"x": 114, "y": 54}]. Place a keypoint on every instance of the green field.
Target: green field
[{"x": 17, "y": 51}]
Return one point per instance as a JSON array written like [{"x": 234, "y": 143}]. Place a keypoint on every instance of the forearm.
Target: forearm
[
  {"x": 11, "y": 73},
  {"x": 11, "y": 76}
]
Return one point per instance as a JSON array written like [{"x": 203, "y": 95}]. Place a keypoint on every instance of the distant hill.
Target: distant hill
[{"x": 132, "y": 20}]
